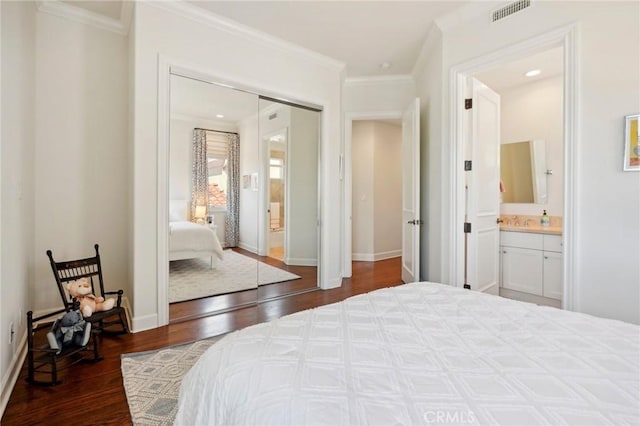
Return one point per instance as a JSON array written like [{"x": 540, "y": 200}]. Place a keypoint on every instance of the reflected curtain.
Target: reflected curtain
[
  {"x": 199, "y": 171},
  {"x": 232, "y": 222}
]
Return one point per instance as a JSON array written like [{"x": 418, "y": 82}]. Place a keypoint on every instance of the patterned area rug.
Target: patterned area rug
[
  {"x": 152, "y": 380},
  {"x": 193, "y": 278}
]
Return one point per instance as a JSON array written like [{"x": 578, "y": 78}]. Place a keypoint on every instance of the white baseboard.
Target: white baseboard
[
  {"x": 373, "y": 257},
  {"x": 300, "y": 261},
  {"x": 10, "y": 378},
  {"x": 146, "y": 322}
]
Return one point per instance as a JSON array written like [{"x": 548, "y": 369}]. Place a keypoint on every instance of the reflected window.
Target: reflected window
[
  {"x": 217, "y": 158},
  {"x": 276, "y": 166}
]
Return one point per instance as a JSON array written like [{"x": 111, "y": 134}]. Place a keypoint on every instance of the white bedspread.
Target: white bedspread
[
  {"x": 420, "y": 353},
  {"x": 188, "y": 236}
]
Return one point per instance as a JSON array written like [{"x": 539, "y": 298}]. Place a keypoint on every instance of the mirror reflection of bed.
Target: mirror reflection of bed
[{"x": 230, "y": 244}]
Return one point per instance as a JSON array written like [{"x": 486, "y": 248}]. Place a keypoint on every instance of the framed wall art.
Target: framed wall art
[{"x": 631, "y": 143}]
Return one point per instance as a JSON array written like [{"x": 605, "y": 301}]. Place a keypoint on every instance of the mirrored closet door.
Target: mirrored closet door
[
  {"x": 213, "y": 193},
  {"x": 289, "y": 243}
]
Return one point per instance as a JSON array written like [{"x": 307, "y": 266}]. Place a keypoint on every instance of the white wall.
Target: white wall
[
  {"x": 378, "y": 94},
  {"x": 362, "y": 146},
  {"x": 606, "y": 254},
  {"x": 17, "y": 197},
  {"x": 81, "y": 152},
  {"x": 387, "y": 177},
  {"x": 301, "y": 227},
  {"x": 377, "y": 190},
  {"x": 534, "y": 111},
  {"x": 237, "y": 58}
]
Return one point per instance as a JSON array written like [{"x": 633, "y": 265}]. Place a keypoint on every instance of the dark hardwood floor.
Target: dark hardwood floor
[
  {"x": 94, "y": 393},
  {"x": 205, "y": 306}
]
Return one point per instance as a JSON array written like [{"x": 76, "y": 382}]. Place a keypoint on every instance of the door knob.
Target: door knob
[
  {"x": 415, "y": 222},
  {"x": 412, "y": 222}
]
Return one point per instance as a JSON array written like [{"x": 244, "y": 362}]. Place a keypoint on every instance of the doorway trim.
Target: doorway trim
[
  {"x": 347, "y": 177},
  {"x": 567, "y": 38}
]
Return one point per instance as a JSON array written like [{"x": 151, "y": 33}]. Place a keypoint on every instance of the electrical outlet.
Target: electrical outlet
[{"x": 11, "y": 333}]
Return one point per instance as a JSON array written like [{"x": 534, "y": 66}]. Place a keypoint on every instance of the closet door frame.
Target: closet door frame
[{"x": 167, "y": 67}]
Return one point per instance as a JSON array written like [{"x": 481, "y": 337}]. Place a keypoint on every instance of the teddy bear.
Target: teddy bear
[
  {"x": 89, "y": 303},
  {"x": 69, "y": 330}
]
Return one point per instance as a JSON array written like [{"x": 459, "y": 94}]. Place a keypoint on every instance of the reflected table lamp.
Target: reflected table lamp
[{"x": 201, "y": 212}]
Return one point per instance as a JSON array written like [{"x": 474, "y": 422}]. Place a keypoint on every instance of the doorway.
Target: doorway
[
  {"x": 377, "y": 189},
  {"x": 409, "y": 197},
  {"x": 565, "y": 39}
]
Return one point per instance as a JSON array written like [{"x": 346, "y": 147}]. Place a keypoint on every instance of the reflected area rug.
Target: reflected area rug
[
  {"x": 152, "y": 380},
  {"x": 193, "y": 278}
]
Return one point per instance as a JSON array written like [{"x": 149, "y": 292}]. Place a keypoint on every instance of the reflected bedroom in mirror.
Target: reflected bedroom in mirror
[{"x": 231, "y": 233}]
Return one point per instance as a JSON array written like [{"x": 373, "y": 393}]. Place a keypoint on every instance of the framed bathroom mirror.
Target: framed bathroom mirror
[{"x": 523, "y": 172}]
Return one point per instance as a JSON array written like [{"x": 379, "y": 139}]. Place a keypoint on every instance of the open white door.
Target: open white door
[
  {"x": 482, "y": 183},
  {"x": 411, "y": 193}
]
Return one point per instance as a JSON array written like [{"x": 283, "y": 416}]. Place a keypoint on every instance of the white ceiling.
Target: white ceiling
[
  {"x": 510, "y": 75},
  {"x": 203, "y": 100},
  {"x": 362, "y": 34}
]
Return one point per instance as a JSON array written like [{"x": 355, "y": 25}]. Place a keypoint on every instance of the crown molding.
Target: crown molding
[
  {"x": 203, "y": 16},
  {"x": 83, "y": 16},
  {"x": 378, "y": 79}
]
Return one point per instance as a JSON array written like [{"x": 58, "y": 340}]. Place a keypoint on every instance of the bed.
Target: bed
[
  {"x": 420, "y": 353},
  {"x": 188, "y": 240}
]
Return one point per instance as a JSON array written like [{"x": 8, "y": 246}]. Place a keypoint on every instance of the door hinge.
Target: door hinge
[
  {"x": 467, "y": 227},
  {"x": 467, "y": 165},
  {"x": 468, "y": 103},
  {"x": 467, "y": 286}
]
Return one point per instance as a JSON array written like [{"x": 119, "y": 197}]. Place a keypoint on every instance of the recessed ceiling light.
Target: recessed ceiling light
[
  {"x": 219, "y": 116},
  {"x": 385, "y": 65},
  {"x": 532, "y": 73}
]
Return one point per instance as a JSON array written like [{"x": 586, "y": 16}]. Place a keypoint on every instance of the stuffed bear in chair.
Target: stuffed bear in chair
[
  {"x": 69, "y": 330},
  {"x": 89, "y": 303}
]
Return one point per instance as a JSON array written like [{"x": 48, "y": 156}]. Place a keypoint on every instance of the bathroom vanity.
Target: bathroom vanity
[{"x": 531, "y": 262}]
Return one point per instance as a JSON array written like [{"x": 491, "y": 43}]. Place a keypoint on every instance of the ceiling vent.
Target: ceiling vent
[{"x": 509, "y": 9}]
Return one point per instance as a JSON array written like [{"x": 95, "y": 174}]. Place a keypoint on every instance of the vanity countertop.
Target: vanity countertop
[
  {"x": 515, "y": 223},
  {"x": 533, "y": 229}
]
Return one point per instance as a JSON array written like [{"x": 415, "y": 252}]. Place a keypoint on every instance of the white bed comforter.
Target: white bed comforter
[
  {"x": 188, "y": 236},
  {"x": 420, "y": 353}
]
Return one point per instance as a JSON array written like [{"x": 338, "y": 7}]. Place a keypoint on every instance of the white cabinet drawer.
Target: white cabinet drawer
[
  {"x": 521, "y": 239},
  {"x": 552, "y": 243}
]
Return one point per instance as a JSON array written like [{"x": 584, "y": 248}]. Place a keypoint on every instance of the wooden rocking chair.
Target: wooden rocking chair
[
  {"x": 114, "y": 320},
  {"x": 44, "y": 362}
]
